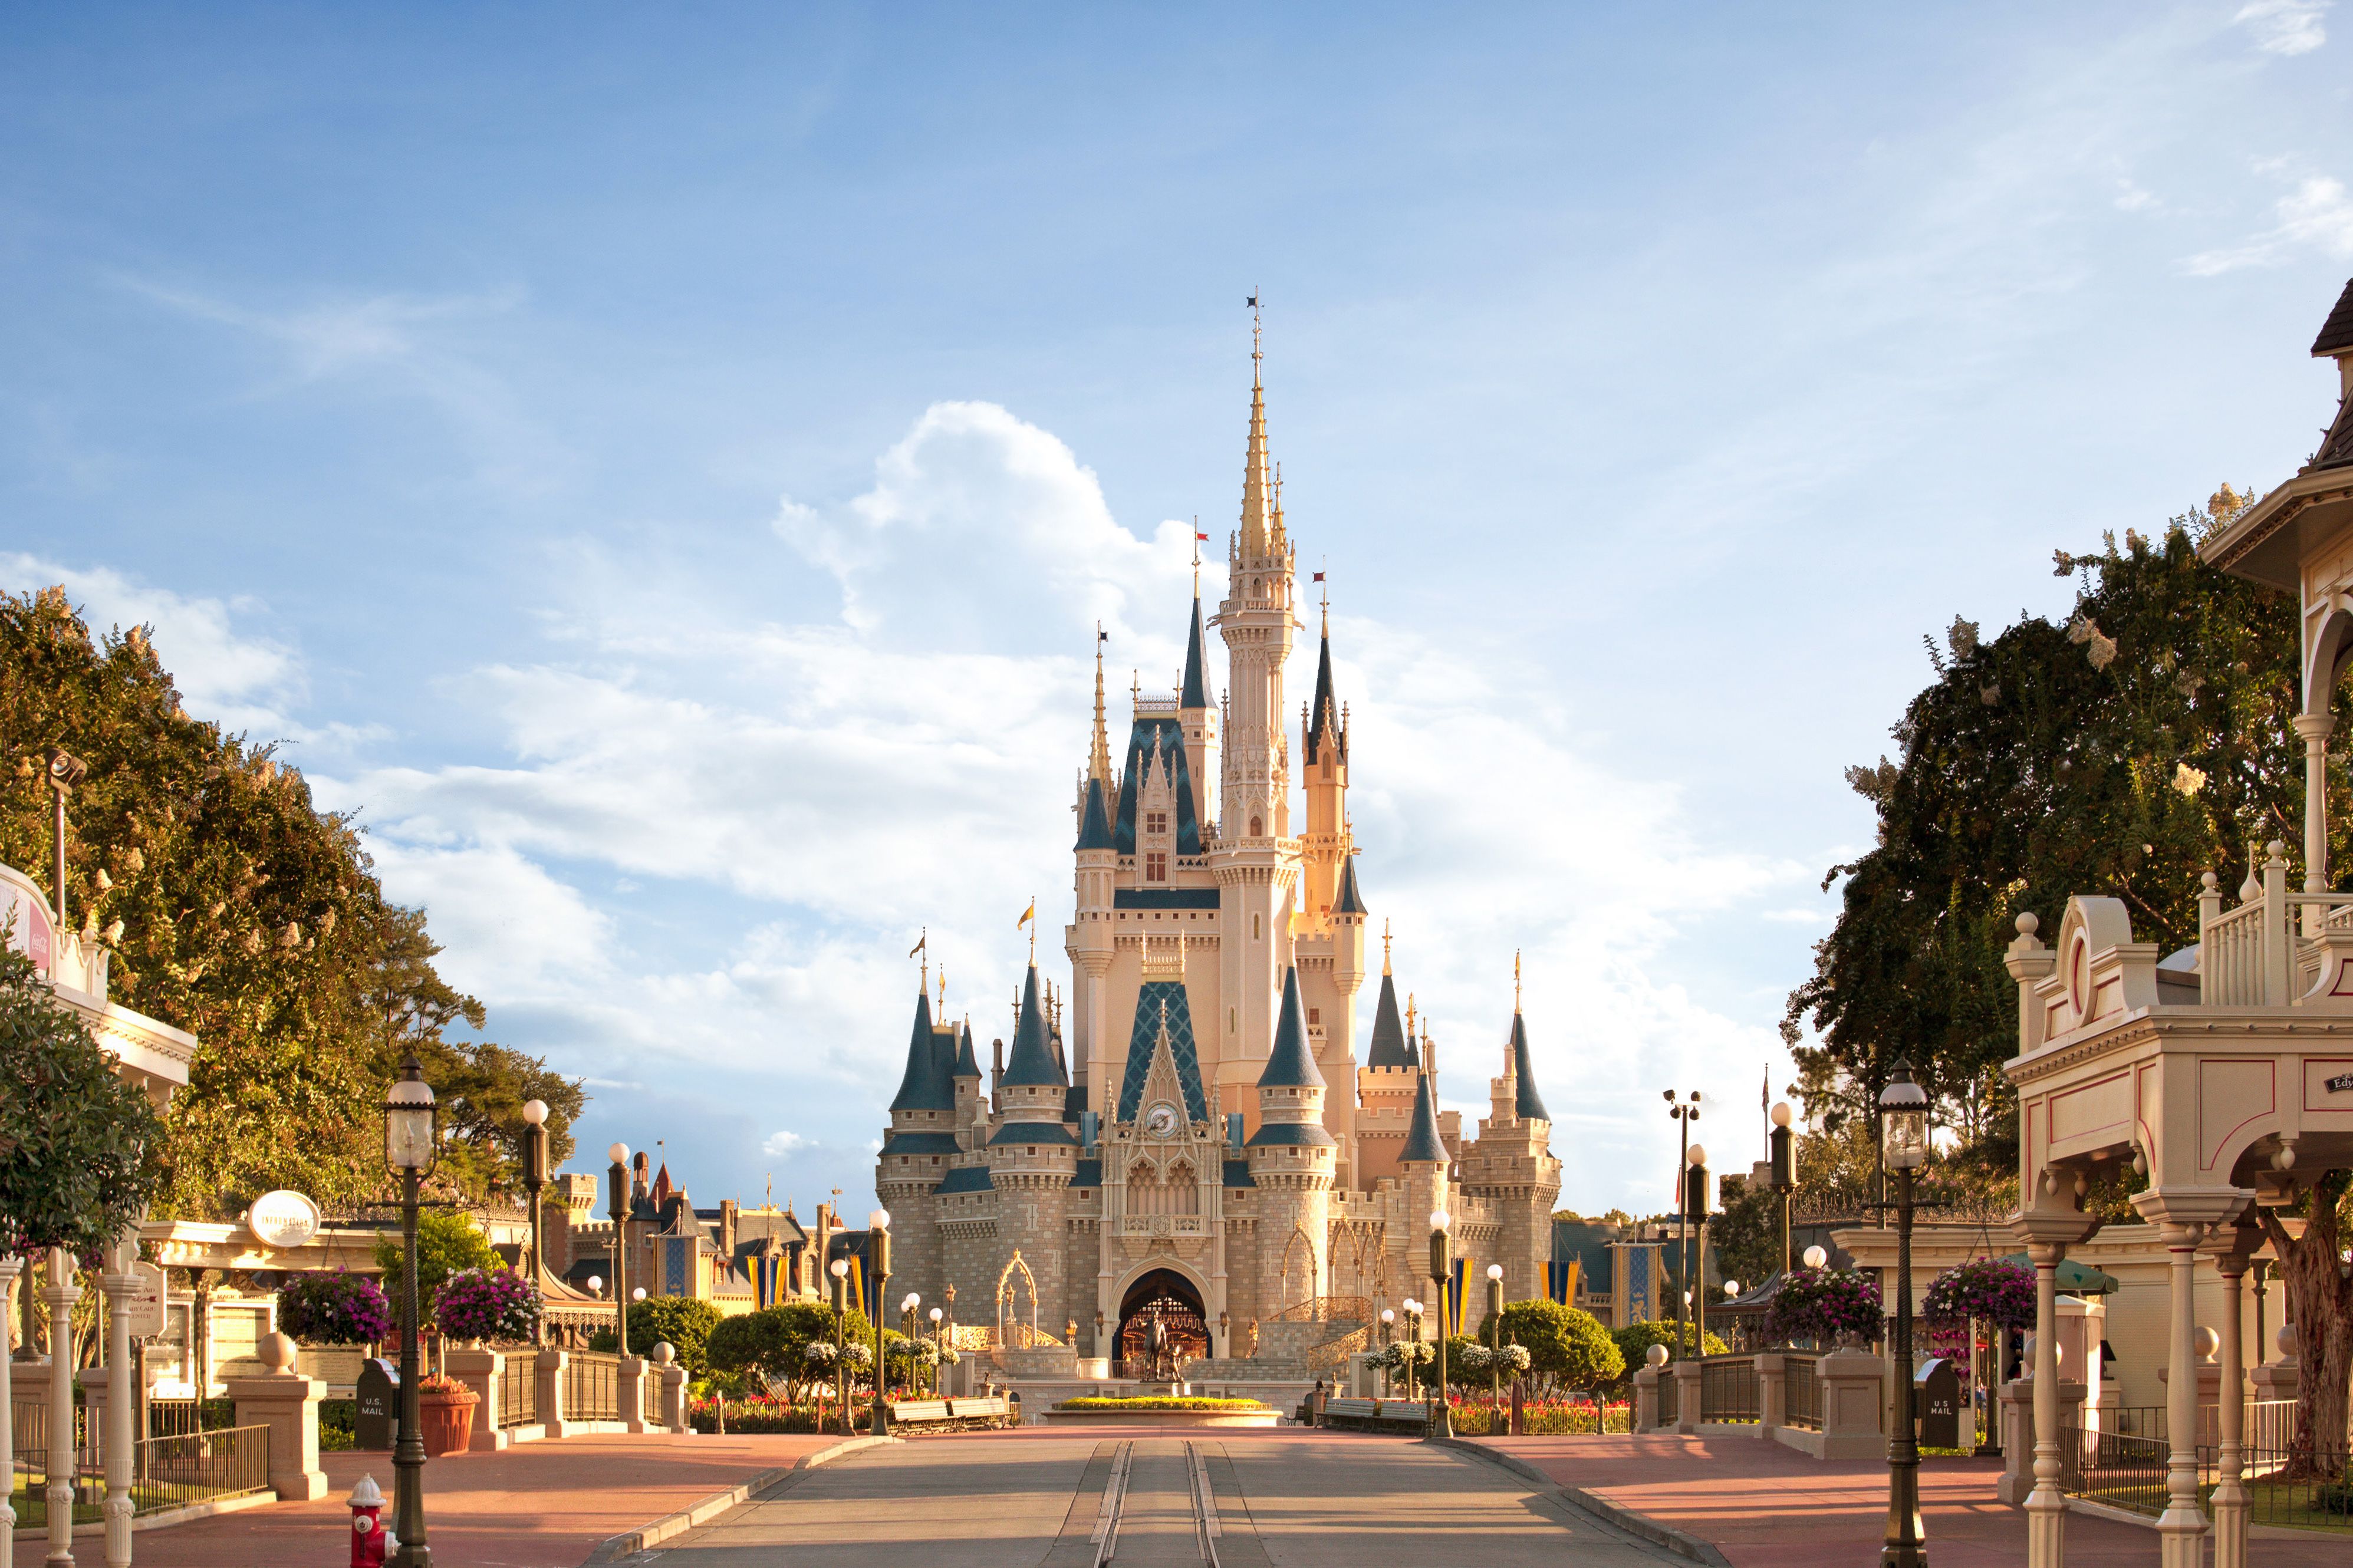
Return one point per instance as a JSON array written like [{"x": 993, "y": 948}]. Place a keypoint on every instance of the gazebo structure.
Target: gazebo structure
[{"x": 2226, "y": 1073}]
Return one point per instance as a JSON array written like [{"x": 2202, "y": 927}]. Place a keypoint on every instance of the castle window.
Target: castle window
[
  {"x": 1155, "y": 822},
  {"x": 1258, "y": 827},
  {"x": 1253, "y": 928},
  {"x": 1316, "y": 1014},
  {"x": 1156, "y": 866}
]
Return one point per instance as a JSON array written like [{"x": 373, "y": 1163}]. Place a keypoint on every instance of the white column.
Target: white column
[
  {"x": 2315, "y": 728},
  {"x": 59, "y": 1294},
  {"x": 2230, "y": 1491},
  {"x": 121, "y": 1400},
  {"x": 10, "y": 1268},
  {"x": 2181, "y": 1529},
  {"x": 2046, "y": 1508}
]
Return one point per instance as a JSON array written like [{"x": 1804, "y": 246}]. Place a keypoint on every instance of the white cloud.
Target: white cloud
[
  {"x": 2284, "y": 27},
  {"x": 2317, "y": 214},
  {"x": 784, "y": 1143}
]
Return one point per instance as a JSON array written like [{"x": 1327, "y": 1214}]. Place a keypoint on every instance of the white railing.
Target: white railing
[{"x": 2231, "y": 957}]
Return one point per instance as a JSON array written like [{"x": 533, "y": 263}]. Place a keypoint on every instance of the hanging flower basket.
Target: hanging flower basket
[
  {"x": 1993, "y": 1289},
  {"x": 494, "y": 1306},
  {"x": 1826, "y": 1305}
]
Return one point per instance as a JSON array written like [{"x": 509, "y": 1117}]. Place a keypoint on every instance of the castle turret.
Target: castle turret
[
  {"x": 1031, "y": 1159},
  {"x": 922, "y": 1144},
  {"x": 1511, "y": 1167},
  {"x": 1291, "y": 1161},
  {"x": 1092, "y": 943}
]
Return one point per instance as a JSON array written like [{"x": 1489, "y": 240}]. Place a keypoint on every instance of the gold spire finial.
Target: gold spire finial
[
  {"x": 944, "y": 987},
  {"x": 1258, "y": 528},
  {"x": 1385, "y": 946},
  {"x": 1409, "y": 1016},
  {"x": 1099, "y": 754},
  {"x": 1515, "y": 979}
]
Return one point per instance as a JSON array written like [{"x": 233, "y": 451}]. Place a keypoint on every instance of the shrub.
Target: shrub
[
  {"x": 1567, "y": 1348},
  {"x": 333, "y": 1307},
  {"x": 447, "y": 1244},
  {"x": 1635, "y": 1340},
  {"x": 679, "y": 1322},
  {"x": 766, "y": 1346},
  {"x": 497, "y": 1305}
]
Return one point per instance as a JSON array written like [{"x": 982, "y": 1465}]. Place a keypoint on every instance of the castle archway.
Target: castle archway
[{"x": 1165, "y": 1298}]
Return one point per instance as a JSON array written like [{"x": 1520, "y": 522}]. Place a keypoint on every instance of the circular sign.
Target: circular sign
[
  {"x": 284, "y": 1219},
  {"x": 1161, "y": 1121}
]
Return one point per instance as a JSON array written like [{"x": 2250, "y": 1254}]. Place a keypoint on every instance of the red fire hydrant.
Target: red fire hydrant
[{"x": 368, "y": 1535}]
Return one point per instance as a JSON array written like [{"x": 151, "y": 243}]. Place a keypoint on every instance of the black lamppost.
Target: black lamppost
[
  {"x": 1442, "y": 1424},
  {"x": 535, "y": 1179},
  {"x": 1495, "y": 1337},
  {"x": 1684, "y": 1115},
  {"x": 907, "y": 1332},
  {"x": 939, "y": 1362},
  {"x": 411, "y": 1141},
  {"x": 1785, "y": 1174},
  {"x": 617, "y": 1194},
  {"x": 878, "y": 1249},
  {"x": 1695, "y": 1198},
  {"x": 840, "y": 1270},
  {"x": 1904, "y": 1147},
  {"x": 1413, "y": 1333}
]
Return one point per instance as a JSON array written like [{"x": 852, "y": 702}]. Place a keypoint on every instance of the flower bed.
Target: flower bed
[
  {"x": 1147, "y": 1401},
  {"x": 1540, "y": 1418},
  {"x": 768, "y": 1415}
]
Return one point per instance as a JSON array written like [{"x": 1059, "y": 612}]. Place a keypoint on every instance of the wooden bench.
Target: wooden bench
[
  {"x": 1377, "y": 1414},
  {"x": 952, "y": 1415}
]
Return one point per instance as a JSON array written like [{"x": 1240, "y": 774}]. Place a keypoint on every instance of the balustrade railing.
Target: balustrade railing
[
  {"x": 1727, "y": 1389},
  {"x": 1670, "y": 1397},
  {"x": 592, "y": 1387},
  {"x": 1801, "y": 1393},
  {"x": 1326, "y": 1309},
  {"x": 518, "y": 1389}
]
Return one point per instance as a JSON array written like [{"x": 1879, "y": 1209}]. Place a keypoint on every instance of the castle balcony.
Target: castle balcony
[{"x": 1164, "y": 1225}]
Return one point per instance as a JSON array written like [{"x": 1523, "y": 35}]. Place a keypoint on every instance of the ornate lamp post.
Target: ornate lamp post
[
  {"x": 535, "y": 1179},
  {"x": 840, "y": 1269},
  {"x": 1413, "y": 1333},
  {"x": 617, "y": 1194},
  {"x": 1785, "y": 1173},
  {"x": 1684, "y": 1113},
  {"x": 907, "y": 1332},
  {"x": 1440, "y": 1264},
  {"x": 1904, "y": 1145},
  {"x": 937, "y": 1364},
  {"x": 1495, "y": 1334},
  {"x": 411, "y": 1142},
  {"x": 1739, "y": 1331},
  {"x": 878, "y": 1247},
  {"x": 1696, "y": 1196}
]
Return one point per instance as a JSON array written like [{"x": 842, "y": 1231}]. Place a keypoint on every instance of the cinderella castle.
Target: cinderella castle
[{"x": 1183, "y": 1135}]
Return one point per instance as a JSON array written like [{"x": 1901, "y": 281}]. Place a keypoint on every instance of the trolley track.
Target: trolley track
[{"x": 1152, "y": 1543}]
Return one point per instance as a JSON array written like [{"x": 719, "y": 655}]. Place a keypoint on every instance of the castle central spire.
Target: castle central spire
[{"x": 1258, "y": 490}]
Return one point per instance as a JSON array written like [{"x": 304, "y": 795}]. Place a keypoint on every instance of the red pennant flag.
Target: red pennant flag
[
  {"x": 1319, "y": 576},
  {"x": 1201, "y": 536}
]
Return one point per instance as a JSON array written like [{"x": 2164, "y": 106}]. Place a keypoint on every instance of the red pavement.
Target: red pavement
[
  {"x": 1766, "y": 1506},
  {"x": 541, "y": 1505}
]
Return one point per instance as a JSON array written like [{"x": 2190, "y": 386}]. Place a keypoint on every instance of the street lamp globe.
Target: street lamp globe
[
  {"x": 535, "y": 1111},
  {"x": 1781, "y": 1113},
  {"x": 638, "y": 1294},
  {"x": 618, "y": 1153},
  {"x": 1732, "y": 1287},
  {"x": 1904, "y": 1121},
  {"x": 1439, "y": 1219},
  {"x": 408, "y": 1117},
  {"x": 878, "y": 1220},
  {"x": 1389, "y": 1315},
  {"x": 1816, "y": 1257},
  {"x": 935, "y": 1314},
  {"x": 840, "y": 1268},
  {"x": 1697, "y": 1157},
  {"x": 595, "y": 1284},
  {"x": 910, "y": 1302},
  {"x": 1494, "y": 1271}
]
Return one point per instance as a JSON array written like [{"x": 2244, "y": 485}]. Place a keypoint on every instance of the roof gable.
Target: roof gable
[{"x": 1142, "y": 1040}]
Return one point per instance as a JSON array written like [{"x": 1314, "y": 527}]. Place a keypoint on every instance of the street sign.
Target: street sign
[
  {"x": 284, "y": 1219},
  {"x": 143, "y": 1310}
]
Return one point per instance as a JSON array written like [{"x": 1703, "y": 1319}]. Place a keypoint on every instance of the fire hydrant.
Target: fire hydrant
[{"x": 369, "y": 1538}]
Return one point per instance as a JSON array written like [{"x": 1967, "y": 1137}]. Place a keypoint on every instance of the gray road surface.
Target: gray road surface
[{"x": 1030, "y": 1503}]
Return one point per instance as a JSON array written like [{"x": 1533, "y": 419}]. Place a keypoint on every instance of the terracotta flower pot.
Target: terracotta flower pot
[{"x": 446, "y": 1421}]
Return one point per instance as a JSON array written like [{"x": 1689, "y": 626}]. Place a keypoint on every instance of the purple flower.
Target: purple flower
[
  {"x": 333, "y": 1308},
  {"x": 474, "y": 1305},
  {"x": 1993, "y": 1290}
]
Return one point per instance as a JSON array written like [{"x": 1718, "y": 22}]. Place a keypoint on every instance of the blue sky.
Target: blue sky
[{"x": 661, "y": 468}]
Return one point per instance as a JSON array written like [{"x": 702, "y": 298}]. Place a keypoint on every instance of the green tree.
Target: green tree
[
  {"x": 682, "y": 1321},
  {"x": 765, "y": 1347},
  {"x": 233, "y": 909},
  {"x": 80, "y": 1147},
  {"x": 1635, "y": 1340},
  {"x": 2121, "y": 750},
  {"x": 1567, "y": 1348},
  {"x": 446, "y": 1242},
  {"x": 1746, "y": 1232}
]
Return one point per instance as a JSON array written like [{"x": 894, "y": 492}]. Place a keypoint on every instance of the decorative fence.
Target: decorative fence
[
  {"x": 169, "y": 1471},
  {"x": 592, "y": 1387},
  {"x": 518, "y": 1389},
  {"x": 1670, "y": 1400},
  {"x": 1727, "y": 1389},
  {"x": 1801, "y": 1393},
  {"x": 1326, "y": 1309},
  {"x": 2119, "y": 1468},
  {"x": 1332, "y": 1355},
  {"x": 179, "y": 1417}
]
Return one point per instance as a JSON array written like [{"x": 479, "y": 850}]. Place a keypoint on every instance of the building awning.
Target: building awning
[{"x": 2075, "y": 1279}]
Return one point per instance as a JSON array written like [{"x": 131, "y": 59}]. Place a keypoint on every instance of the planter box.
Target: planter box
[{"x": 446, "y": 1421}]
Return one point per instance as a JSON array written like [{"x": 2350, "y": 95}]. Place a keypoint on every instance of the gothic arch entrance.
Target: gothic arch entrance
[{"x": 1166, "y": 1299}]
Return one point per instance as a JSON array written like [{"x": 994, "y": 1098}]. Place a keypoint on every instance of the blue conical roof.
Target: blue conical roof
[
  {"x": 1423, "y": 1142},
  {"x": 1388, "y": 1049},
  {"x": 921, "y": 1087},
  {"x": 1325, "y": 714},
  {"x": 1290, "y": 1065},
  {"x": 1350, "y": 901},
  {"x": 1197, "y": 690},
  {"x": 1032, "y": 1061},
  {"x": 967, "y": 1063},
  {"x": 1530, "y": 1106},
  {"x": 1094, "y": 824}
]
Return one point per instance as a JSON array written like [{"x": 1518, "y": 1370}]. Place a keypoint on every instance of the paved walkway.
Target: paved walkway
[
  {"x": 1765, "y": 1506},
  {"x": 541, "y": 1505},
  {"x": 1283, "y": 1498}
]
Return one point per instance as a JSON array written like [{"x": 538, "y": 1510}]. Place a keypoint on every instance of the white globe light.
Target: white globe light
[
  {"x": 840, "y": 1267},
  {"x": 1698, "y": 1155},
  {"x": 1389, "y": 1315},
  {"x": 595, "y": 1282},
  {"x": 1732, "y": 1287},
  {"x": 935, "y": 1314},
  {"x": 1816, "y": 1258},
  {"x": 638, "y": 1294},
  {"x": 535, "y": 1111},
  {"x": 1781, "y": 1113},
  {"x": 618, "y": 1153},
  {"x": 879, "y": 1219},
  {"x": 1494, "y": 1271},
  {"x": 1439, "y": 1219}
]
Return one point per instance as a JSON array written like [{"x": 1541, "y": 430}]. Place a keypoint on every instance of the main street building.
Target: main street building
[{"x": 1184, "y": 1132}]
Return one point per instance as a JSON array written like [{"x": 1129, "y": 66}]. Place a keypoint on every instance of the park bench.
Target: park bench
[
  {"x": 951, "y": 1414},
  {"x": 1377, "y": 1414}
]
